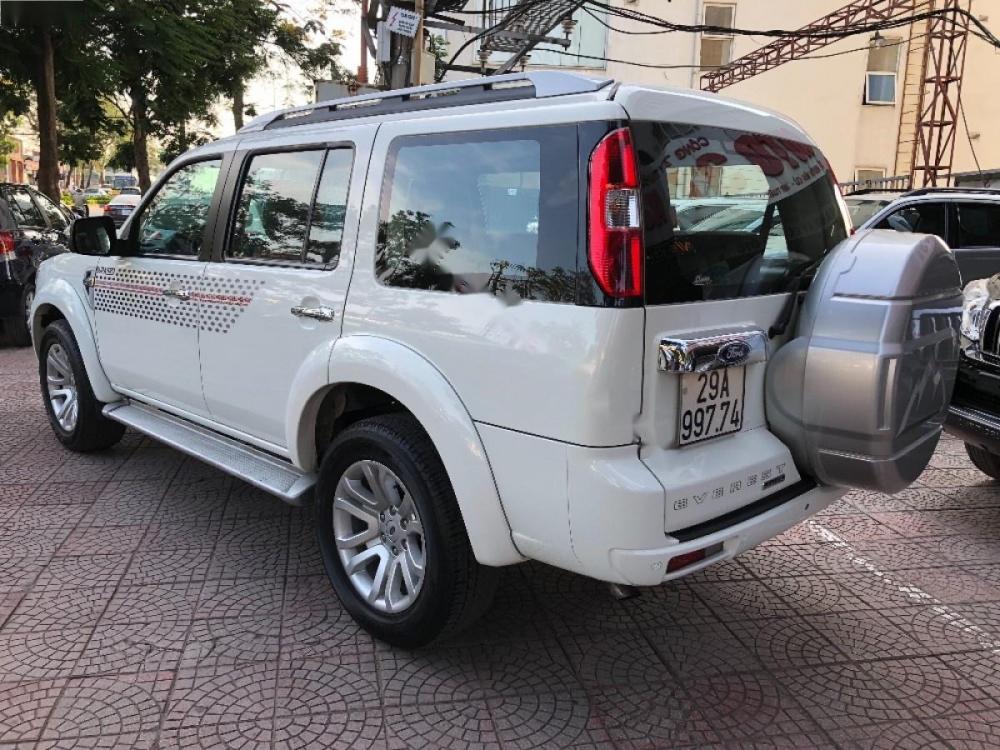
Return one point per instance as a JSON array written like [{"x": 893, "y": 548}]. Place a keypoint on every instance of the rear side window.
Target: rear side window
[
  {"x": 57, "y": 220},
  {"x": 272, "y": 217},
  {"x": 291, "y": 207},
  {"x": 25, "y": 211},
  {"x": 491, "y": 211},
  {"x": 978, "y": 225},
  {"x": 326, "y": 229},
  {"x": 731, "y": 214}
]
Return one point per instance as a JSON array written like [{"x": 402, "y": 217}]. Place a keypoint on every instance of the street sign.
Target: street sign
[{"x": 403, "y": 21}]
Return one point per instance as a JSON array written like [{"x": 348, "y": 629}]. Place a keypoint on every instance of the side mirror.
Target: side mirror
[{"x": 94, "y": 235}]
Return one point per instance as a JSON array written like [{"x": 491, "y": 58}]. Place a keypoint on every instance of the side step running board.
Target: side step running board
[{"x": 249, "y": 464}]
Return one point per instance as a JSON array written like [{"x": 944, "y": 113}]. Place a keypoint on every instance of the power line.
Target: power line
[
  {"x": 663, "y": 26},
  {"x": 518, "y": 11},
  {"x": 715, "y": 67},
  {"x": 802, "y": 33},
  {"x": 968, "y": 134}
]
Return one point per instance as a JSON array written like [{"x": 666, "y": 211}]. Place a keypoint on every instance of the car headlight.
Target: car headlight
[{"x": 976, "y": 296}]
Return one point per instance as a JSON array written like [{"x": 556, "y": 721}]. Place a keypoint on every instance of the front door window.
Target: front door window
[
  {"x": 174, "y": 221},
  {"x": 924, "y": 218}
]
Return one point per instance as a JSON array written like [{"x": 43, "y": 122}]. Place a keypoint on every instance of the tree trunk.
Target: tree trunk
[
  {"x": 139, "y": 128},
  {"x": 48, "y": 142},
  {"x": 238, "y": 104}
]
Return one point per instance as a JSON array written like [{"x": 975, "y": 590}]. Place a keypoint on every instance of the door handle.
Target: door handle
[
  {"x": 182, "y": 294},
  {"x": 317, "y": 313}
]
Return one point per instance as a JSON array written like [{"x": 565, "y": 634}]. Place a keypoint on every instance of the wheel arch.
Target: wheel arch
[
  {"x": 57, "y": 300},
  {"x": 372, "y": 375}
]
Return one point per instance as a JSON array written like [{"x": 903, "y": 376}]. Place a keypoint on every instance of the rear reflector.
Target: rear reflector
[
  {"x": 690, "y": 558},
  {"x": 615, "y": 225}
]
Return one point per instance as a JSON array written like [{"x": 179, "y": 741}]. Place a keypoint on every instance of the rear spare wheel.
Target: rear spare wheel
[{"x": 859, "y": 395}]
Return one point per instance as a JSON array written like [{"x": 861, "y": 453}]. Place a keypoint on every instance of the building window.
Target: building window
[
  {"x": 883, "y": 64},
  {"x": 867, "y": 176},
  {"x": 717, "y": 45}
]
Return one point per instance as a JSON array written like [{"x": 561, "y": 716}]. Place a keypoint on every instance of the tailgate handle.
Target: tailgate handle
[{"x": 712, "y": 352}]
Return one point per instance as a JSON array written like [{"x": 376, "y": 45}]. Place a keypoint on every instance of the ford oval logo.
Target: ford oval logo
[{"x": 733, "y": 353}]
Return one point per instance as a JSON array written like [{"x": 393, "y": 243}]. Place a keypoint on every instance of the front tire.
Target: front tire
[
  {"x": 392, "y": 536},
  {"x": 74, "y": 412},
  {"x": 986, "y": 462}
]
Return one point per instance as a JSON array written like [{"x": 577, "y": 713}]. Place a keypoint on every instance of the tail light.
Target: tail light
[
  {"x": 6, "y": 246},
  {"x": 615, "y": 249}
]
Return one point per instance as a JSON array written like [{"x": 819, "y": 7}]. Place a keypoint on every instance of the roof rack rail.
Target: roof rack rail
[
  {"x": 974, "y": 190},
  {"x": 871, "y": 190},
  {"x": 535, "y": 85}
]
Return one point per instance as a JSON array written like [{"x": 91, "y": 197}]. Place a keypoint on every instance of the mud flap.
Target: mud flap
[{"x": 860, "y": 393}]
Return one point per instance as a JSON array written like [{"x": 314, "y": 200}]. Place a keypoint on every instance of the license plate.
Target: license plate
[{"x": 711, "y": 404}]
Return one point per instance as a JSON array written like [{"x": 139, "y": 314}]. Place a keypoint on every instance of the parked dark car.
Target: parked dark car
[
  {"x": 32, "y": 228},
  {"x": 974, "y": 414},
  {"x": 967, "y": 219}
]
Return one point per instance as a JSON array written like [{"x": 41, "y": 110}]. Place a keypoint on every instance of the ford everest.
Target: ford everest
[{"x": 465, "y": 322}]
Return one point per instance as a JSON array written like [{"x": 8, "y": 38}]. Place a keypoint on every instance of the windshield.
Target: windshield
[
  {"x": 731, "y": 214},
  {"x": 861, "y": 210}
]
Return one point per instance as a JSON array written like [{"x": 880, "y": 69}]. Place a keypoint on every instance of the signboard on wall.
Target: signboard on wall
[{"x": 403, "y": 21}]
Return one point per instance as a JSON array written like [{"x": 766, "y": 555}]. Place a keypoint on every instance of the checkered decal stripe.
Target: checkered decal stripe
[{"x": 215, "y": 304}]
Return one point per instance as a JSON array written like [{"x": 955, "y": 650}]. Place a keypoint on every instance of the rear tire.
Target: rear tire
[
  {"x": 393, "y": 454},
  {"x": 20, "y": 328},
  {"x": 986, "y": 462},
  {"x": 74, "y": 412}
]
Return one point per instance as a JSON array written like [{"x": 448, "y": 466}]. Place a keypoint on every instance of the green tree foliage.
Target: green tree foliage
[
  {"x": 40, "y": 48},
  {"x": 253, "y": 33},
  {"x": 163, "y": 64}
]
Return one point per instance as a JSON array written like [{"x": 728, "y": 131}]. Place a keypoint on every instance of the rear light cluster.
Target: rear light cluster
[
  {"x": 6, "y": 246},
  {"x": 615, "y": 222}
]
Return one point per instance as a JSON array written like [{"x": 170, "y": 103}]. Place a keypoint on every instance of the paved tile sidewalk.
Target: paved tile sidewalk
[{"x": 149, "y": 601}]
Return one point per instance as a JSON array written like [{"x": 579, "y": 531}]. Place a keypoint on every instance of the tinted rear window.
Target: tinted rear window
[
  {"x": 490, "y": 211},
  {"x": 862, "y": 210},
  {"x": 731, "y": 214}
]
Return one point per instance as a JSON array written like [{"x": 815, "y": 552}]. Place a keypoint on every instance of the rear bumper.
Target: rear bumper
[
  {"x": 974, "y": 414},
  {"x": 648, "y": 567},
  {"x": 974, "y": 426},
  {"x": 600, "y": 512}
]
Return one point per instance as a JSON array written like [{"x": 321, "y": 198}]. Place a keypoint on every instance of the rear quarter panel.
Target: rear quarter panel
[{"x": 557, "y": 370}]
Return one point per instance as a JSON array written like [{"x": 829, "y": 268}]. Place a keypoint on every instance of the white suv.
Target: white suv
[{"x": 465, "y": 320}]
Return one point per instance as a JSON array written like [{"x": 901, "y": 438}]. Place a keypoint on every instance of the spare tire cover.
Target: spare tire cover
[{"x": 860, "y": 394}]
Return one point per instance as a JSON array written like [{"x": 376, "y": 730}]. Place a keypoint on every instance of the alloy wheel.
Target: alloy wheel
[
  {"x": 62, "y": 391},
  {"x": 379, "y": 536}
]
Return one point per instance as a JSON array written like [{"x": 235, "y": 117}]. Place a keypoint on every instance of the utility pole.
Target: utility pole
[
  {"x": 417, "y": 53},
  {"x": 363, "y": 67}
]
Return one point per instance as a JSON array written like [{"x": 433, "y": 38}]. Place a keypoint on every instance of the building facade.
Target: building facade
[{"x": 858, "y": 97}]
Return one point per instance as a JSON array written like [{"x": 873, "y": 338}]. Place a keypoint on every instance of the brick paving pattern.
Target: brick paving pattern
[{"x": 149, "y": 601}]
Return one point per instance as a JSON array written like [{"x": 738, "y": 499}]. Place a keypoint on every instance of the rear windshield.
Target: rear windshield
[
  {"x": 862, "y": 209},
  {"x": 731, "y": 214}
]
